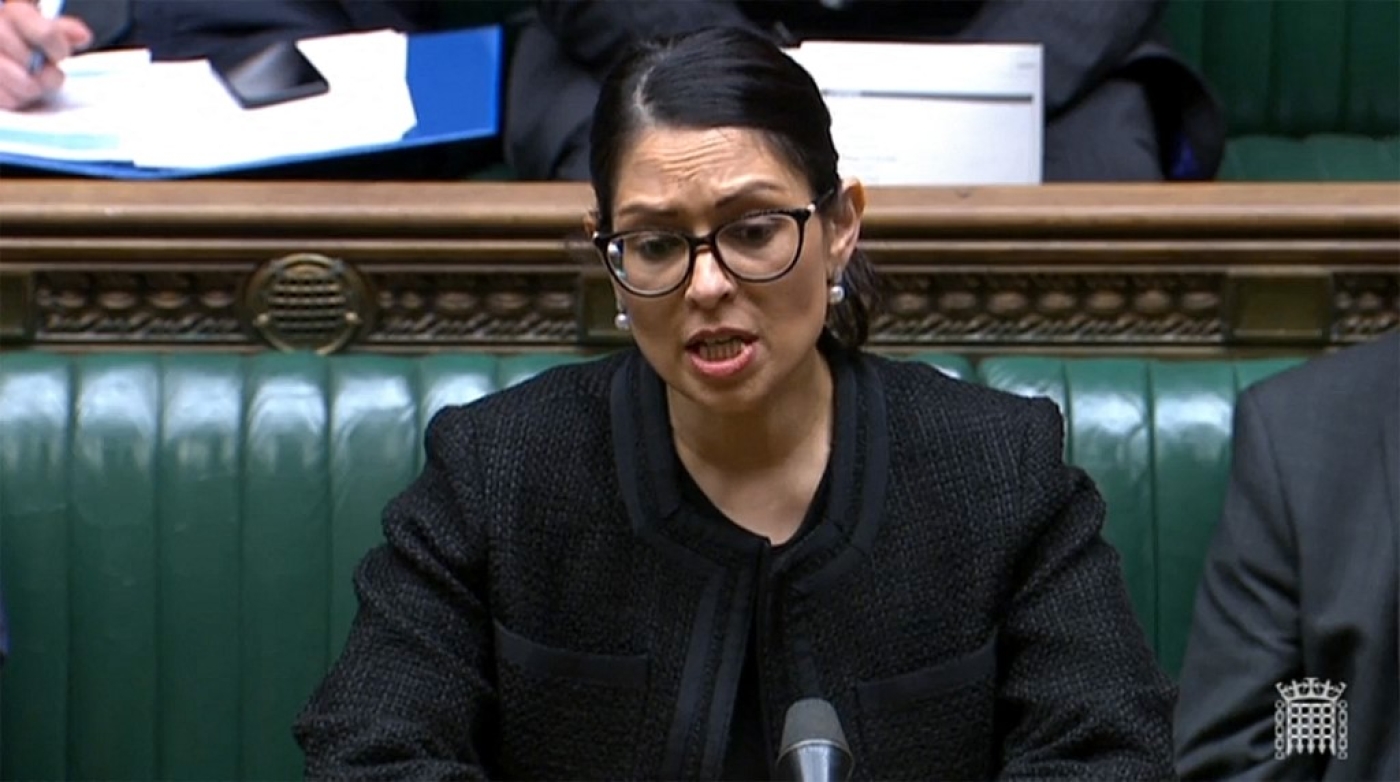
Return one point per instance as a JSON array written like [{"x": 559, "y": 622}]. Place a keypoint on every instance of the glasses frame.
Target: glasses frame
[{"x": 802, "y": 215}]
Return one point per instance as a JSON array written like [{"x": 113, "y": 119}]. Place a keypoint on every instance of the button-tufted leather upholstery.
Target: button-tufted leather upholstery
[{"x": 177, "y": 532}]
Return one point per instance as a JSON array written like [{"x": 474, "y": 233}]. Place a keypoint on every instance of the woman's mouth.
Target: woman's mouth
[
  {"x": 721, "y": 356},
  {"x": 720, "y": 349}
]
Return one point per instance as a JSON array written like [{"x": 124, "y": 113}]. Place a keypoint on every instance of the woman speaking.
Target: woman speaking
[{"x": 632, "y": 567}]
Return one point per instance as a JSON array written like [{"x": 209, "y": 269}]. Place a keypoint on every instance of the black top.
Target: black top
[
  {"x": 748, "y": 755},
  {"x": 546, "y": 606}
]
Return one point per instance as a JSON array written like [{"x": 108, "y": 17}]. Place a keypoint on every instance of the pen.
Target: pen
[{"x": 49, "y": 9}]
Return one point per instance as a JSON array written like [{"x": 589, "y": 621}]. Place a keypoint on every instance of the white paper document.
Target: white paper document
[
  {"x": 178, "y": 114},
  {"x": 368, "y": 103},
  {"x": 932, "y": 114},
  {"x": 88, "y": 120}
]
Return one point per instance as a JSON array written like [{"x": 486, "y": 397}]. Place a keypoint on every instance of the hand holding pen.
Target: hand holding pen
[{"x": 34, "y": 38}]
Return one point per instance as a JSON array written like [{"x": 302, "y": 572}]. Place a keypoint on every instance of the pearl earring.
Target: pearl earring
[
  {"x": 622, "y": 322},
  {"x": 836, "y": 293}
]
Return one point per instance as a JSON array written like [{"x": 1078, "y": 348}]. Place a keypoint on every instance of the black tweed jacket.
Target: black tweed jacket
[{"x": 547, "y": 607}]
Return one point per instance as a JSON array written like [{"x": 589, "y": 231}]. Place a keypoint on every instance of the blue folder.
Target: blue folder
[{"x": 454, "y": 80}]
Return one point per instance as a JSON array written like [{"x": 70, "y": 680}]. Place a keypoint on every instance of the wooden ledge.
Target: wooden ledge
[
  {"x": 511, "y": 210},
  {"x": 409, "y": 267}
]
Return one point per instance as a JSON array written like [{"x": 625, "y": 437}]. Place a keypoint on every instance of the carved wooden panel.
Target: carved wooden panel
[
  {"x": 138, "y": 306},
  {"x": 1367, "y": 304},
  {"x": 422, "y": 310},
  {"x": 403, "y": 267},
  {"x": 1044, "y": 308}
]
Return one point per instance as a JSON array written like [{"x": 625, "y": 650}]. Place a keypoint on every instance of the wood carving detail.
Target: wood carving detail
[
  {"x": 1367, "y": 305},
  {"x": 141, "y": 306},
  {"x": 1030, "y": 308},
  {"x": 427, "y": 309},
  {"x": 1122, "y": 268},
  {"x": 470, "y": 308}
]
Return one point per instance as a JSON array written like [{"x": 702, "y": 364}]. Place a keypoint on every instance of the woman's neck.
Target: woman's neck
[{"x": 798, "y": 414}]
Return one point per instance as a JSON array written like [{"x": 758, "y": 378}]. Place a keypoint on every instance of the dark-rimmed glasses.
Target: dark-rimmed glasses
[{"x": 758, "y": 247}]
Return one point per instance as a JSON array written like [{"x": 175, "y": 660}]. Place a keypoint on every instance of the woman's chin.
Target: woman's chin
[{"x": 733, "y": 395}]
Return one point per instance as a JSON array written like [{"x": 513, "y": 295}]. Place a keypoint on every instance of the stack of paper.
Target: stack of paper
[
  {"x": 932, "y": 114},
  {"x": 120, "y": 107}
]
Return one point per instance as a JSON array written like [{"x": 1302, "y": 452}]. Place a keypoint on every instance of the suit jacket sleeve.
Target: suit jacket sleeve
[
  {"x": 1244, "y": 635},
  {"x": 1083, "y": 41},
  {"x": 409, "y": 16},
  {"x": 1082, "y": 696},
  {"x": 598, "y": 33},
  {"x": 410, "y": 694}
]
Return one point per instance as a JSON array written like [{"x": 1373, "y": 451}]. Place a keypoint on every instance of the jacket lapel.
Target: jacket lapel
[
  {"x": 642, "y": 444},
  {"x": 860, "y": 461}
]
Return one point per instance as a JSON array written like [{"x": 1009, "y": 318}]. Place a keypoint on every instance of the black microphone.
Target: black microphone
[{"x": 814, "y": 746}]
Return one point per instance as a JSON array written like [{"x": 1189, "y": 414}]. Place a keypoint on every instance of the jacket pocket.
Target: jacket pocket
[
  {"x": 567, "y": 714},
  {"x": 936, "y": 722}
]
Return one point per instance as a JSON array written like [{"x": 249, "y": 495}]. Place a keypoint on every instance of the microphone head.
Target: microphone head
[
  {"x": 814, "y": 746},
  {"x": 812, "y": 720}
]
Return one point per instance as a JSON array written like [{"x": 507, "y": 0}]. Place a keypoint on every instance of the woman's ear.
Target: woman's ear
[{"x": 845, "y": 223}]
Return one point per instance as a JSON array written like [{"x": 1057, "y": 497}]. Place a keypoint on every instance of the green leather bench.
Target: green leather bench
[
  {"x": 1310, "y": 88},
  {"x": 177, "y": 533}
]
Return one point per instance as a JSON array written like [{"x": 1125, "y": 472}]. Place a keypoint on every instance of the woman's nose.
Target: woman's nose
[{"x": 709, "y": 282}]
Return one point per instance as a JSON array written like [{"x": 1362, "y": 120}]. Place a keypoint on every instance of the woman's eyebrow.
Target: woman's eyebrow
[
  {"x": 748, "y": 190},
  {"x": 645, "y": 211}
]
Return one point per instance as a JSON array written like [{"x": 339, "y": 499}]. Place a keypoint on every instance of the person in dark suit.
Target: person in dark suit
[
  {"x": 632, "y": 567},
  {"x": 1301, "y": 579},
  {"x": 1119, "y": 105},
  {"x": 175, "y": 30}
]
